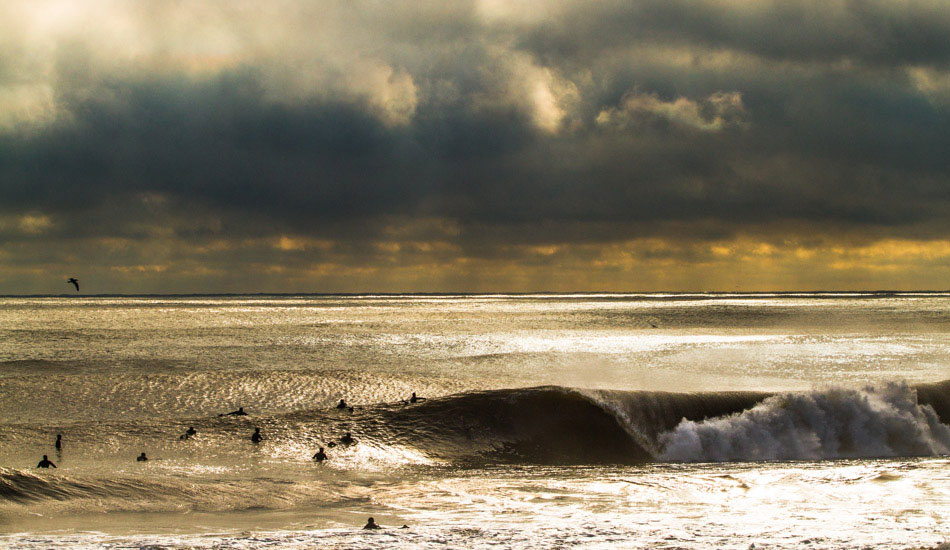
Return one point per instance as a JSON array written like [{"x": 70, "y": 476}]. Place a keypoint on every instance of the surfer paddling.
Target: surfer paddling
[
  {"x": 342, "y": 406},
  {"x": 371, "y": 524},
  {"x": 239, "y": 412},
  {"x": 413, "y": 399},
  {"x": 345, "y": 440}
]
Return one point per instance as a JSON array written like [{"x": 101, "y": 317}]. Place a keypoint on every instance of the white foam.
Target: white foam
[{"x": 835, "y": 423}]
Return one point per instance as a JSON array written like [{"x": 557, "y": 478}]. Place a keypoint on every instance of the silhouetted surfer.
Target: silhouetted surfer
[
  {"x": 188, "y": 433},
  {"x": 347, "y": 439},
  {"x": 371, "y": 524},
  {"x": 46, "y": 463},
  {"x": 142, "y": 457},
  {"x": 341, "y": 404},
  {"x": 239, "y": 412},
  {"x": 415, "y": 399},
  {"x": 75, "y": 282},
  {"x": 320, "y": 456},
  {"x": 257, "y": 437},
  {"x": 59, "y": 442}
]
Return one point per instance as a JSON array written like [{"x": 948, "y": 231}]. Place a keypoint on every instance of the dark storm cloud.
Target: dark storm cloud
[
  {"x": 513, "y": 123},
  {"x": 221, "y": 144},
  {"x": 876, "y": 31}
]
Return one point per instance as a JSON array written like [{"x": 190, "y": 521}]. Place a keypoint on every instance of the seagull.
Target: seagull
[{"x": 75, "y": 282}]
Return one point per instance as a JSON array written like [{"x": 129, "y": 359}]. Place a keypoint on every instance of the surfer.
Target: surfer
[
  {"x": 347, "y": 439},
  {"x": 415, "y": 399},
  {"x": 239, "y": 412},
  {"x": 257, "y": 437},
  {"x": 320, "y": 456},
  {"x": 46, "y": 463},
  {"x": 341, "y": 404},
  {"x": 142, "y": 457},
  {"x": 371, "y": 524},
  {"x": 188, "y": 433},
  {"x": 59, "y": 442}
]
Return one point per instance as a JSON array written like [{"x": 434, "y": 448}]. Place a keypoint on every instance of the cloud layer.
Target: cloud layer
[{"x": 483, "y": 145}]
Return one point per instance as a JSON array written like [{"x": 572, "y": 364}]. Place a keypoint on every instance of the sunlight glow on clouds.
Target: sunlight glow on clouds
[
  {"x": 712, "y": 113},
  {"x": 321, "y": 145}
]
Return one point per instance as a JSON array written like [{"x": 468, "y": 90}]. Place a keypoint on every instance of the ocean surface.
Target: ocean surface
[{"x": 551, "y": 421}]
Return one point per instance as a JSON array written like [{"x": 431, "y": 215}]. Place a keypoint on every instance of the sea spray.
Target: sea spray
[{"x": 835, "y": 423}]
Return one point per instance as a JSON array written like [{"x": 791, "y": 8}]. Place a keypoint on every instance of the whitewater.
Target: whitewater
[{"x": 551, "y": 420}]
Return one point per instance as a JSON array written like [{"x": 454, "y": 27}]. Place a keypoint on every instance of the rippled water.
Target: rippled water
[{"x": 596, "y": 458}]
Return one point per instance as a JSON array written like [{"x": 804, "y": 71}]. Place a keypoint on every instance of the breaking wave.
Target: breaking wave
[
  {"x": 556, "y": 425},
  {"x": 836, "y": 423}
]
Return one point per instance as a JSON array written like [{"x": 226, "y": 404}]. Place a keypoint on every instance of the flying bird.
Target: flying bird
[{"x": 75, "y": 282}]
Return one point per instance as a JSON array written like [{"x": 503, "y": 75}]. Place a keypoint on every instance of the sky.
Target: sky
[{"x": 474, "y": 146}]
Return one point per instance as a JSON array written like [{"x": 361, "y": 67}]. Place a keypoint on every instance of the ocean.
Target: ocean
[{"x": 595, "y": 421}]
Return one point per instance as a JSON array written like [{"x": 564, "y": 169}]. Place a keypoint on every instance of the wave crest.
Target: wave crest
[{"x": 835, "y": 423}]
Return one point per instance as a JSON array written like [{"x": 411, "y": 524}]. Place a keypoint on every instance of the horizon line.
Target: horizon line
[{"x": 499, "y": 293}]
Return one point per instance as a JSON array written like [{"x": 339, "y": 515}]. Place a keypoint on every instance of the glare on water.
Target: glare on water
[{"x": 121, "y": 375}]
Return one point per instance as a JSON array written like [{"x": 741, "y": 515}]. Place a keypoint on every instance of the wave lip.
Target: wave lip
[
  {"x": 556, "y": 425},
  {"x": 544, "y": 425},
  {"x": 835, "y": 423}
]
